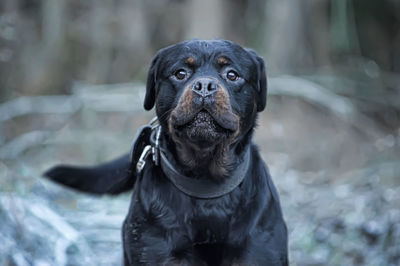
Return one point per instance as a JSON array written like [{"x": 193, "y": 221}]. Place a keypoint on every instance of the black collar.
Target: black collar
[
  {"x": 205, "y": 188},
  {"x": 148, "y": 141}
]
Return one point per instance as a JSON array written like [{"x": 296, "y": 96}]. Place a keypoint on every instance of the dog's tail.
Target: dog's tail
[{"x": 109, "y": 178}]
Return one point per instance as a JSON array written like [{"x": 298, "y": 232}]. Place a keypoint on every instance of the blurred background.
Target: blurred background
[{"x": 71, "y": 90}]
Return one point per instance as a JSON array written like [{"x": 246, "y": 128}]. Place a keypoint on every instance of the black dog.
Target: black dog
[{"x": 206, "y": 198}]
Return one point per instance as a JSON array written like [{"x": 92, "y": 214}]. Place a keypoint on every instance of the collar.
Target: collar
[
  {"x": 148, "y": 142},
  {"x": 205, "y": 188}
]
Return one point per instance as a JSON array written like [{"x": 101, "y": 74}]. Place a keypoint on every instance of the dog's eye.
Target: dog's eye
[
  {"x": 180, "y": 74},
  {"x": 232, "y": 75}
]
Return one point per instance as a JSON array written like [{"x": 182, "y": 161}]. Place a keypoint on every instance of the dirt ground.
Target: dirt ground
[{"x": 338, "y": 178}]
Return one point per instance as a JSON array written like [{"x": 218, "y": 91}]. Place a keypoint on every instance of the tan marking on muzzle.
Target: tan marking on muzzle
[
  {"x": 222, "y": 100},
  {"x": 185, "y": 103}
]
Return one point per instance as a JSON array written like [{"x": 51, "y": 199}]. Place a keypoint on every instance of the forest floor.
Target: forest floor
[{"x": 337, "y": 172}]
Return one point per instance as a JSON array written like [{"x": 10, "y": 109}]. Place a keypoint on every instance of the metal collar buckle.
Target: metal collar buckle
[{"x": 153, "y": 147}]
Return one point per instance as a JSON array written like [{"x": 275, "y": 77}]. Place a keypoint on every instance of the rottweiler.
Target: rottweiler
[{"x": 202, "y": 194}]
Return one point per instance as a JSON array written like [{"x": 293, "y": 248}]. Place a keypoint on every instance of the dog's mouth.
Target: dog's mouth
[
  {"x": 203, "y": 128},
  {"x": 226, "y": 121}
]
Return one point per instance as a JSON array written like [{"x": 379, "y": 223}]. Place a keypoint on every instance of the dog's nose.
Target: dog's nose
[{"x": 205, "y": 86}]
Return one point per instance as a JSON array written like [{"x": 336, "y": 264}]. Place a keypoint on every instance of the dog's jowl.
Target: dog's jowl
[{"x": 201, "y": 193}]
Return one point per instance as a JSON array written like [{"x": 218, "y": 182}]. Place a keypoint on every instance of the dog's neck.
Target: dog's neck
[{"x": 215, "y": 162}]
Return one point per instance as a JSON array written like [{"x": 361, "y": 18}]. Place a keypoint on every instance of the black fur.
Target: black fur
[{"x": 165, "y": 226}]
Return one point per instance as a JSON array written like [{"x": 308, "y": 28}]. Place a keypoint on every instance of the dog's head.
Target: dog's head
[{"x": 207, "y": 95}]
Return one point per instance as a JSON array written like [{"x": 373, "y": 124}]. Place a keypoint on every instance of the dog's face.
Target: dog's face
[{"x": 207, "y": 95}]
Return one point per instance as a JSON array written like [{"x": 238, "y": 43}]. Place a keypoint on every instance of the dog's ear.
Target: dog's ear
[
  {"x": 261, "y": 80},
  {"x": 151, "y": 83}
]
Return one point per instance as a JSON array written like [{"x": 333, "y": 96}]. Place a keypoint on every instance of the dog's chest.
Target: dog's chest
[
  {"x": 210, "y": 222},
  {"x": 200, "y": 221}
]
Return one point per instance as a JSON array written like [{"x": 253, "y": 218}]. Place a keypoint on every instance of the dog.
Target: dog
[{"x": 202, "y": 194}]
